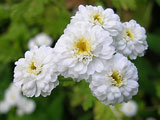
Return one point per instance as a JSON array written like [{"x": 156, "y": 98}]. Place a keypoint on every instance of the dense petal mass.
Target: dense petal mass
[
  {"x": 82, "y": 50},
  {"x": 132, "y": 40},
  {"x": 36, "y": 73},
  {"x": 117, "y": 83},
  {"x": 93, "y": 15}
]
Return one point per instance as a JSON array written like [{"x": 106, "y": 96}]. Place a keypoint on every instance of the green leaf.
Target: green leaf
[
  {"x": 82, "y": 95},
  {"x": 66, "y": 81},
  {"x": 88, "y": 103},
  {"x": 103, "y": 112}
]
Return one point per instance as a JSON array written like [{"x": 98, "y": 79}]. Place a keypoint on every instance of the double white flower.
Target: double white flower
[
  {"x": 40, "y": 40},
  {"x": 117, "y": 82},
  {"x": 82, "y": 50},
  {"x": 12, "y": 98},
  {"x": 36, "y": 73},
  {"x": 130, "y": 108},
  {"x": 131, "y": 41},
  {"x": 97, "y": 16}
]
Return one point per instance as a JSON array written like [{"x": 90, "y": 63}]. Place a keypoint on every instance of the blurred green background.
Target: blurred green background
[{"x": 20, "y": 20}]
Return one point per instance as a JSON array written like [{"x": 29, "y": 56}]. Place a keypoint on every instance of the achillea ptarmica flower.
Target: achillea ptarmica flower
[
  {"x": 117, "y": 83},
  {"x": 36, "y": 73},
  {"x": 12, "y": 95},
  {"x": 132, "y": 40},
  {"x": 82, "y": 50},
  {"x": 25, "y": 106},
  {"x": 4, "y": 107},
  {"x": 130, "y": 108},
  {"x": 92, "y": 15},
  {"x": 13, "y": 98},
  {"x": 40, "y": 40}
]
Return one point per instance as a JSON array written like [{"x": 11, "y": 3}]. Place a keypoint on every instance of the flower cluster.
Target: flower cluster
[
  {"x": 13, "y": 97},
  {"x": 94, "y": 47}
]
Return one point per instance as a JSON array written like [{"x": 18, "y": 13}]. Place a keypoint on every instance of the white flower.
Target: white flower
[
  {"x": 131, "y": 42},
  {"x": 4, "y": 107},
  {"x": 25, "y": 106},
  {"x": 39, "y": 40},
  {"x": 117, "y": 83},
  {"x": 92, "y": 15},
  {"x": 12, "y": 95},
  {"x": 36, "y": 73},
  {"x": 82, "y": 50},
  {"x": 129, "y": 108}
]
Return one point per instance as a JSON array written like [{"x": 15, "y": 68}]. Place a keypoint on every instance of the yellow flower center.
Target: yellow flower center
[
  {"x": 83, "y": 46},
  {"x": 98, "y": 18},
  {"x": 129, "y": 34},
  {"x": 33, "y": 69},
  {"x": 32, "y": 66},
  {"x": 116, "y": 79}
]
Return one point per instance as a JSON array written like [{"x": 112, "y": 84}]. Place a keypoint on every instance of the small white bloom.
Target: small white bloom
[
  {"x": 131, "y": 42},
  {"x": 92, "y": 15},
  {"x": 117, "y": 83},
  {"x": 82, "y": 50},
  {"x": 12, "y": 95},
  {"x": 36, "y": 73},
  {"x": 4, "y": 107},
  {"x": 25, "y": 106},
  {"x": 129, "y": 108},
  {"x": 40, "y": 40}
]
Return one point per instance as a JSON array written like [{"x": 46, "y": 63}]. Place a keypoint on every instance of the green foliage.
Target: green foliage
[
  {"x": 124, "y": 4},
  {"x": 103, "y": 112},
  {"x": 82, "y": 95},
  {"x": 158, "y": 1},
  {"x": 143, "y": 13}
]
